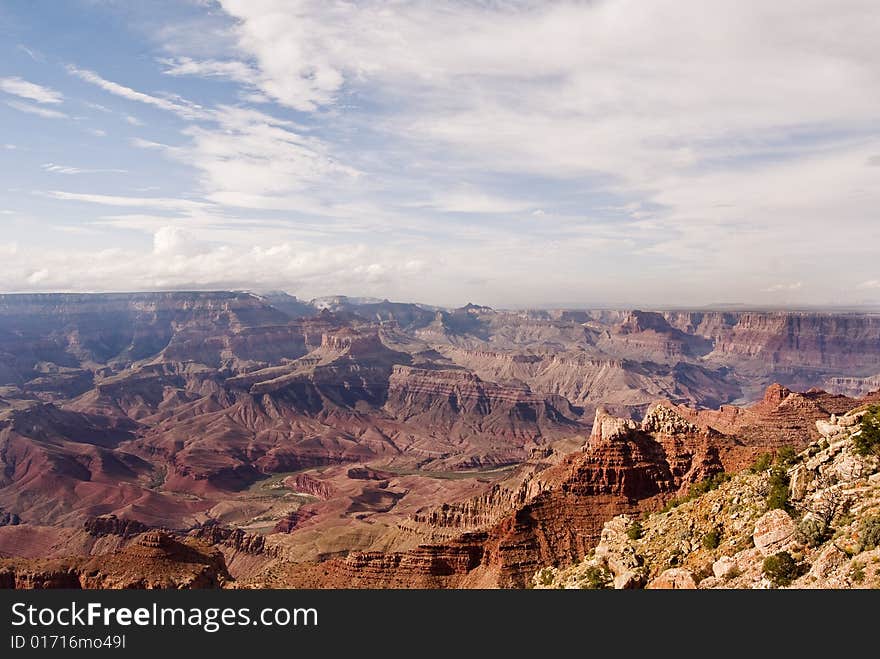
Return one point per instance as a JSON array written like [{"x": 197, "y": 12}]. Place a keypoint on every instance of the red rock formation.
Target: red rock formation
[
  {"x": 781, "y": 418},
  {"x": 309, "y": 485},
  {"x": 154, "y": 560},
  {"x": 112, "y": 525}
]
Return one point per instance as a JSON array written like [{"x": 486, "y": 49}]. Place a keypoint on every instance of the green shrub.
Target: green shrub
[
  {"x": 867, "y": 441},
  {"x": 786, "y": 456},
  {"x": 596, "y": 578},
  {"x": 545, "y": 576},
  {"x": 697, "y": 490},
  {"x": 857, "y": 572},
  {"x": 777, "y": 497},
  {"x": 812, "y": 532},
  {"x": 870, "y": 533},
  {"x": 672, "y": 503},
  {"x": 712, "y": 539},
  {"x": 781, "y": 569},
  {"x": 634, "y": 532},
  {"x": 733, "y": 573},
  {"x": 707, "y": 485},
  {"x": 761, "y": 464}
]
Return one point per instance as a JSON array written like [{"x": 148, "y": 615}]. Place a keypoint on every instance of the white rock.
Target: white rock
[
  {"x": 774, "y": 532},
  {"x": 723, "y": 566},
  {"x": 826, "y": 428}
]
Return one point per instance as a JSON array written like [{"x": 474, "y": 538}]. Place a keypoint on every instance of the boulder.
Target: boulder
[
  {"x": 676, "y": 578},
  {"x": 629, "y": 580},
  {"x": 774, "y": 532},
  {"x": 829, "y": 559},
  {"x": 723, "y": 566}
]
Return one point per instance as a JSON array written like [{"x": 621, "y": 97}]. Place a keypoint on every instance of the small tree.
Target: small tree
[
  {"x": 596, "y": 578},
  {"x": 761, "y": 464},
  {"x": 777, "y": 497},
  {"x": 867, "y": 440},
  {"x": 812, "y": 531},
  {"x": 781, "y": 569},
  {"x": 786, "y": 456},
  {"x": 634, "y": 532},
  {"x": 870, "y": 533},
  {"x": 832, "y": 502}
]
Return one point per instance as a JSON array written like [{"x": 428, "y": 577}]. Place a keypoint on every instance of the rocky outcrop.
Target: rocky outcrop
[
  {"x": 364, "y": 473},
  {"x": 236, "y": 539},
  {"x": 853, "y": 386},
  {"x": 309, "y": 485},
  {"x": 800, "y": 339},
  {"x": 781, "y": 418},
  {"x": 112, "y": 525},
  {"x": 675, "y": 578},
  {"x": 826, "y": 535},
  {"x": 292, "y": 521},
  {"x": 153, "y": 560}
]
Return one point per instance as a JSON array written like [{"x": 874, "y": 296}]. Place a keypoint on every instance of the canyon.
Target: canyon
[{"x": 228, "y": 439}]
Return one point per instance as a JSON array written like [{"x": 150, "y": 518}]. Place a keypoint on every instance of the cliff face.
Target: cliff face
[
  {"x": 62, "y": 328},
  {"x": 793, "y": 340},
  {"x": 153, "y": 560}
]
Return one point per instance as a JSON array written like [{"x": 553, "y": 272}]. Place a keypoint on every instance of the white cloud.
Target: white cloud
[
  {"x": 181, "y": 107},
  {"x": 794, "y": 286},
  {"x": 178, "y": 259},
  {"x": 30, "y": 91},
  {"x": 249, "y": 159},
  {"x": 29, "y": 108},
  {"x": 871, "y": 283},
  {"x": 38, "y": 276},
  {"x": 30, "y": 52},
  {"x": 230, "y": 69},
  {"x": 98, "y": 107},
  {"x": 54, "y": 168},
  {"x": 136, "y": 202},
  {"x": 469, "y": 200},
  {"x": 134, "y": 121}
]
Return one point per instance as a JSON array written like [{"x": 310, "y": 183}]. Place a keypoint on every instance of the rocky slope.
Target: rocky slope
[{"x": 812, "y": 520}]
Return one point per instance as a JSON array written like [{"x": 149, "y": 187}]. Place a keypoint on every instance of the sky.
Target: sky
[{"x": 505, "y": 152}]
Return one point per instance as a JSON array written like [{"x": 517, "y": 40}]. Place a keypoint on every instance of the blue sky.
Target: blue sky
[{"x": 513, "y": 153}]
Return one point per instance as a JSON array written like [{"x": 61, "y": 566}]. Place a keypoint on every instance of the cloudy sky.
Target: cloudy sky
[{"x": 507, "y": 152}]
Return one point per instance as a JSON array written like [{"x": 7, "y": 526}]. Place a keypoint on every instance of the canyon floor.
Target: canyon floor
[{"x": 227, "y": 439}]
